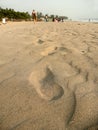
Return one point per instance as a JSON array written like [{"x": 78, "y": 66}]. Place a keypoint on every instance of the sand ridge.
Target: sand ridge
[{"x": 49, "y": 76}]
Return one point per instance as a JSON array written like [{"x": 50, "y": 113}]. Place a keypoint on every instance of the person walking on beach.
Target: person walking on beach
[{"x": 34, "y": 16}]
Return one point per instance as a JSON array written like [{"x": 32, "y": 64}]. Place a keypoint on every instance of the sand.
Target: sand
[{"x": 49, "y": 76}]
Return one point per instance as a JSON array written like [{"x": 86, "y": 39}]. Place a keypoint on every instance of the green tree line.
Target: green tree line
[{"x": 12, "y": 14}]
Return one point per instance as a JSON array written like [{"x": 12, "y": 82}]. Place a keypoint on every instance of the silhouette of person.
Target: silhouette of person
[
  {"x": 34, "y": 16},
  {"x": 46, "y": 18}
]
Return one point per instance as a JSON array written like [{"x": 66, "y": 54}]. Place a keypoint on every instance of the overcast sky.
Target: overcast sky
[{"x": 71, "y": 8}]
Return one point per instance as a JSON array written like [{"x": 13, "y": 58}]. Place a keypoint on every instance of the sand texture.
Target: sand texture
[{"x": 49, "y": 76}]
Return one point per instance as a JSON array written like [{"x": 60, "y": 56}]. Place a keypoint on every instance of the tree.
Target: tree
[
  {"x": 11, "y": 14},
  {"x": 52, "y": 16}
]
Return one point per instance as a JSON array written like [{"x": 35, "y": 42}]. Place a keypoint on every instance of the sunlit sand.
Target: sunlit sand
[{"x": 48, "y": 76}]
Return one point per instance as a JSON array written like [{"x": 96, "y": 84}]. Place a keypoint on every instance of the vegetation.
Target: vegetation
[{"x": 11, "y": 14}]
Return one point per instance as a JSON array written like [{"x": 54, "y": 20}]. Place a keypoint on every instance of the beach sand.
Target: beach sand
[{"x": 49, "y": 76}]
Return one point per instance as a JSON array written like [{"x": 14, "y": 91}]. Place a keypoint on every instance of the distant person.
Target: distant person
[
  {"x": 34, "y": 16},
  {"x": 53, "y": 19},
  {"x": 46, "y": 18},
  {"x": 56, "y": 19}
]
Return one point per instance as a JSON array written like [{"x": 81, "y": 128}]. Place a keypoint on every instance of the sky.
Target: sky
[{"x": 79, "y": 9}]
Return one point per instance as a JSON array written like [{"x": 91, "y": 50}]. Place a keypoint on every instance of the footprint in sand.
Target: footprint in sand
[
  {"x": 44, "y": 82},
  {"x": 52, "y": 78},
  {"x": 45, "y": 75},
  {"x": 49, "y": 50}
]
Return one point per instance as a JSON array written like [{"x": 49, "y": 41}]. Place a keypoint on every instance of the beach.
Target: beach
[{"x": 49, "y": 76}]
